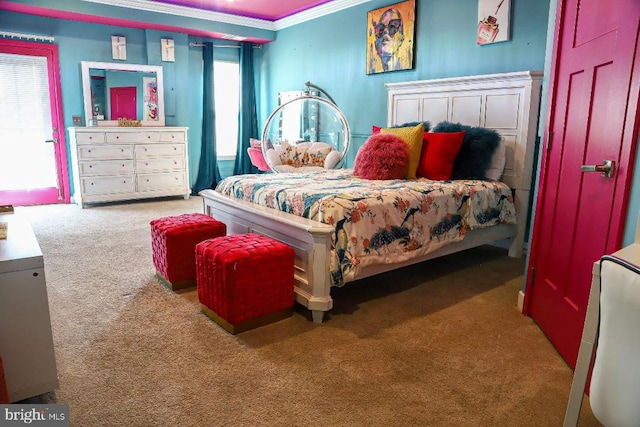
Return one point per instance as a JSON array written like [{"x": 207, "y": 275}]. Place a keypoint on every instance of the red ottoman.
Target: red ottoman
[
  {"x": 174, "y": 239},
  {"x": 245, "y": 280}
]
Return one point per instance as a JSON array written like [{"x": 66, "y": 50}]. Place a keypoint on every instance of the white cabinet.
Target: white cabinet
[
  {"x": 111, "y": 164},
  {"x": 26, "y": 342}
]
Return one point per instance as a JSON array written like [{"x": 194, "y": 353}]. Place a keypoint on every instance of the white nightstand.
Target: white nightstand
[{"x": 26, "y": 342}]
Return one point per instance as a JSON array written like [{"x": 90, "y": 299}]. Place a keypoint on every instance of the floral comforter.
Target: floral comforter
[{"x": 379, "y": 221}]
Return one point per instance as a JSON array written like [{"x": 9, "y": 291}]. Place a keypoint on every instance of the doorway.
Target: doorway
[
  {"x": 587, "y": 162},
  {"x": 33, "y": 163},
  {"x": 123, "y": 102}
]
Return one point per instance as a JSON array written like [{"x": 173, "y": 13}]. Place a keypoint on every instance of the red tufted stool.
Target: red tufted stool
[
  {"x": 174, "y": 239},
  {"x": 245, "y": 280}
]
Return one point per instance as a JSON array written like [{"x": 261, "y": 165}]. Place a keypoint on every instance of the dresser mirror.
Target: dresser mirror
[{"x": 113, "y": 91}]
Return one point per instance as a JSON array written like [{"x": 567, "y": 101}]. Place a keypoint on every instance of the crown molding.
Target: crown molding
[
  {"x": 316, "y": 12},
  {"x": 170, "y": 9}
]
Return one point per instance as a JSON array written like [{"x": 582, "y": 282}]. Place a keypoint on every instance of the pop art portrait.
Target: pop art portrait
[{"x": 390, "y": 35}]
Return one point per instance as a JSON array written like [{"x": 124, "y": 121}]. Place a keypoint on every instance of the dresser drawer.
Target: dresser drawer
[
  {"x": 160, "y": 181},
  {"x": 159, "y": 150},
  {"x": 155, "y": 165},
  {"x": 105, "y": 152},
  {"x": 123, "y": 137},
  {"x": 108, "y": 184},
  {"x": 149, "y": 136},
  {"x": 90, "y": 137},
  {"x": 172, "y": 136},
  {"x": 106, "y": 167}
]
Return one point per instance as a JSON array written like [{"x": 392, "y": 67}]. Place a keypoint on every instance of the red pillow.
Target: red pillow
[
  {"x": 382, "y": 156},
  {"x": 439, "y": 151}
]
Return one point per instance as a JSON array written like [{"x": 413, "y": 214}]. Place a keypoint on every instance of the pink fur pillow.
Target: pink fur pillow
[{"x": 382, "y": 156}]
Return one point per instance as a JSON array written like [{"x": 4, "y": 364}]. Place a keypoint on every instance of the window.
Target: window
[
  {"x": 227, "y": 105},
  {"x": 27, "y": 161}
]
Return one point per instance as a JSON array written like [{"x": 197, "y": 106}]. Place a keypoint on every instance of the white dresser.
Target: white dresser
[{"x": 128, "y": 163}]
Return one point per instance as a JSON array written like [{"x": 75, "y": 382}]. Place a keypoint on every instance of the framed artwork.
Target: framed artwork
[
  {"x": 168, "y": 50},
  {"x": 119, "y": 47},
  {"x": 390, "y": 35},
  {"x": 493, "y": 21}
]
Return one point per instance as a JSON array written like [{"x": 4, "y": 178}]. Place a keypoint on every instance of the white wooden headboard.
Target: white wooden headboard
[{"x": 507, "y": 102}]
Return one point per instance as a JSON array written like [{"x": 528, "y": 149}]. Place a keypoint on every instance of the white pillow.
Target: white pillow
[
  {"x": 273, "y": 157},
  {"x": 333, "y": 158},
  {"x": 315, "y": 146},
  {"x": 498, "y": 161}
]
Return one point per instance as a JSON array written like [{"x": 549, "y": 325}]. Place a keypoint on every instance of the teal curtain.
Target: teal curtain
[
  {"x": 248, "y": 120},
  {"x": 208, "y": 172}
]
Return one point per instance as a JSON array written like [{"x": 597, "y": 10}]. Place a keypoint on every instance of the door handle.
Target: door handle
[
  {"x": 606, "y": 168},
  {"x": 51, "y": 141}
]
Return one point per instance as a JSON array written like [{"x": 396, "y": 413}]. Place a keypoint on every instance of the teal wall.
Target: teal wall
[
  {"x": 78, "y": 41},
  {"x": 328, "y": 51}
]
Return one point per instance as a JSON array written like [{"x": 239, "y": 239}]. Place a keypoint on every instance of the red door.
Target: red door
[
  {"x": 123, "y": 102},
  {"x": 592, "y": 117},
  {"x": 33, "y": 159}
]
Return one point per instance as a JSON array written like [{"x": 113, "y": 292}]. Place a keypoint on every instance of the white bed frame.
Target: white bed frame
[{"x": 508, "y": 103}]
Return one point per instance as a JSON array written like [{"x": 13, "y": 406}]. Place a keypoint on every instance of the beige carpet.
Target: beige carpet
[{"x": 438, "y": 344}]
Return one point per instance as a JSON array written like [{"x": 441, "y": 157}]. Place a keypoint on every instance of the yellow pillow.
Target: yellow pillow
[{"x": 413, "y": 137}]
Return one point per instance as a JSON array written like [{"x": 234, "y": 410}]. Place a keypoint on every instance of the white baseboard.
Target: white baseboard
[{"x": 520, "y": 301}]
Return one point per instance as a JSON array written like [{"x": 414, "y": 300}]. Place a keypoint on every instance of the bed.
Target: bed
[{"x": 330, "y": 251}]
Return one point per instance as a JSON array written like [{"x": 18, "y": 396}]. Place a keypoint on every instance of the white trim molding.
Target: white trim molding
[
  {"x": 520, "y": 301},
  {"x": 316, "y": 12},
  {"x": 307, "y": 15},
  {"x": 169, "y": 9}
]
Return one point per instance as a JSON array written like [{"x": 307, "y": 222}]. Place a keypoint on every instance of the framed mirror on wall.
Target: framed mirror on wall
[{"x": 130, "y": 91}]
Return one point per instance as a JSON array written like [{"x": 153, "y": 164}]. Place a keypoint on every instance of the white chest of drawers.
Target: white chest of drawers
[{"x": 111, "y": 164}]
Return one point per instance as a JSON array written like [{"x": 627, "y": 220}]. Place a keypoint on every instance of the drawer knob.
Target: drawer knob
[
  {"x": 146, "y": 164},
  {"x": 90, "y": 166},
  {"x": 118, "y": 137},
  {"x": 123, "y": 165},
  {"x": 88, "y": 151},
  {"x": 147, "y": 179}
]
